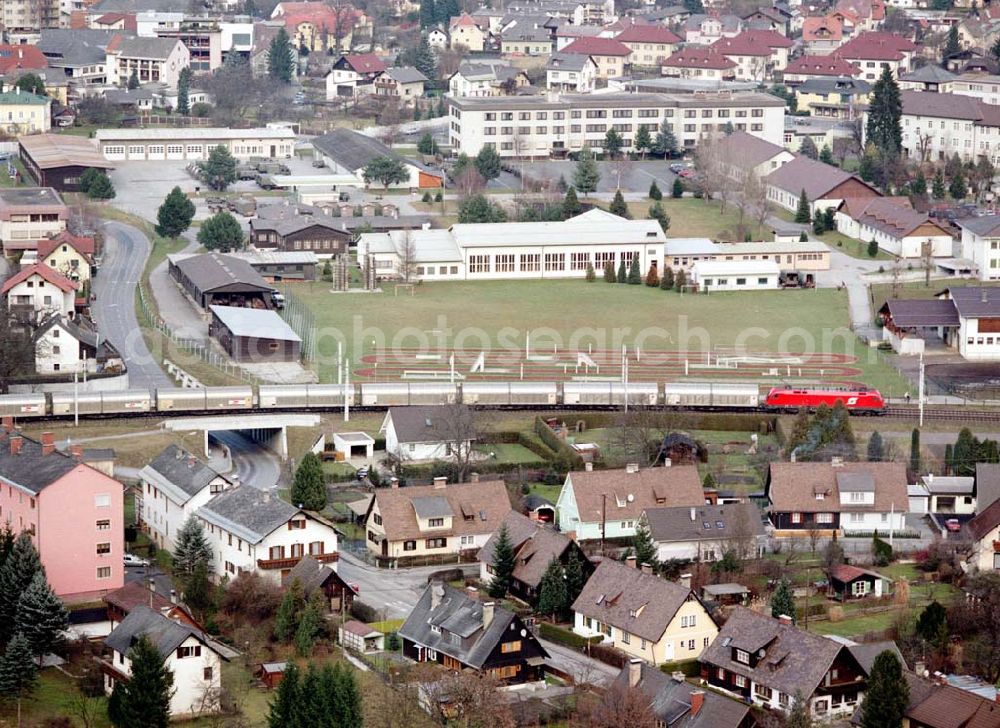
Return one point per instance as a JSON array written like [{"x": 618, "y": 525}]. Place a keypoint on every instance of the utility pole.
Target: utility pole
[
  {"x": 604, "y": 518},
  {"x": 347, "y": 392},
  {"x": 920, "y": 390},
  {"x": 76, "y": 399}
]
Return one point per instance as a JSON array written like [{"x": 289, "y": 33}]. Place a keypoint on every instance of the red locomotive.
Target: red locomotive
[{"x": 856, "y": 400}]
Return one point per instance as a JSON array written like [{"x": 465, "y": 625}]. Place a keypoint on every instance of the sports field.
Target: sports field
[{"x": 571, "y": 329}]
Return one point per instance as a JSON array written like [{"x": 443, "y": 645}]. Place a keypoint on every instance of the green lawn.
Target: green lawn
[
  {"x": 856, "y": 626},
  {"x": 548, "y": 492},
  {"x": 509, "y": 453},
  {"x": 55, "y": 696},
  {"x": 694, "y": 218},
  {"x": 337, "y": 470},
  {"x": 916, "y": 289},
  {"x": 851, "y": 246},
  {"x": 572, "y": 314}
]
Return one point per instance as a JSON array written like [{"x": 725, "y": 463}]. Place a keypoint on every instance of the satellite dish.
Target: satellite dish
[
  {"x": 630, "y": 498},
  {"x": 524, "y": 633},
  {"x": 761, "y": 653}
]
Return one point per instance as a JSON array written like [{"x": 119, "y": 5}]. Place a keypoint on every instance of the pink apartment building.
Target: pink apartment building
[{"x": 74, "y": 512}]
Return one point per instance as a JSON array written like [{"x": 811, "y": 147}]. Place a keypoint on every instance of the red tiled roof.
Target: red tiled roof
[
  {"x": 21, "y": 56},
  {"x": 751, "y": 43},
  {"x": 821, "y": 66},
  {"x": 82, "y": 245},
  {"x": 822, "y": 28},
  {"x": 699, "y": 58},
  {"x": 876, "y": 47},
  {"x": 114, "y": 43},
  {"x": 50, "y": 275},
  {"x": 598, "y": 47},
  {"x": 365, "y": 62},
  {"x": 648, "y": 34},
  {"x": 463, "y": 20},
  {"x": 847, "y": 573}
]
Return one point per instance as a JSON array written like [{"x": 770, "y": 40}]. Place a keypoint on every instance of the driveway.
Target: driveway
[
  {"x": 175, "y": 309},
  {"x": 254, "y": 464},
  {"x": 125, "y": 253}
]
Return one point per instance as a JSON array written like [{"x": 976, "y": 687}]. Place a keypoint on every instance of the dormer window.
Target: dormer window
[
  {"x": 435, "y": 629},
  {"x": 297, "y": 524},
  {"x": 435, "y": 522},
  {"x": 743, "y": 656},
  {"x": 820, "y": 496}
]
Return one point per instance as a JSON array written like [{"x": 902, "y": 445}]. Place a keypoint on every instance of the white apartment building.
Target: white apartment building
[
  {"x": 37, "y": 292},
  {"x": 981, "y": 244},
  {"x": 174, "y": 485},
  {"x": 194, "y": 143},
  {"x": 937, "y": 126},
  {"x": 538, "y": 126},
  {"x": 981, "y": 86},
  {"x": 572, "y": 72},
  {"x": 253, "y": 530}
]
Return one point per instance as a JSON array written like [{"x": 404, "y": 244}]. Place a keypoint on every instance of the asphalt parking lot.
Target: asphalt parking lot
[{"x": 635, "y": 176}]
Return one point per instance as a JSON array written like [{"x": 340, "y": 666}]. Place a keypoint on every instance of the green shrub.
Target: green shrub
[{"x": 563, "y": 636}]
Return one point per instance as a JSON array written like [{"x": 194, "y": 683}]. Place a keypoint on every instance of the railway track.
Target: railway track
[{"x": 954, "y": 414}]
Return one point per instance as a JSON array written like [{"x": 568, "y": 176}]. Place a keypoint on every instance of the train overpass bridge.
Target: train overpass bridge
[{"x": 269, "y": 431}]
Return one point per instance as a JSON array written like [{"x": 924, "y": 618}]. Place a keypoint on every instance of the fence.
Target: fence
[
  {"x": 192, "y": 346},
  {"x": 303, "y": 322}
]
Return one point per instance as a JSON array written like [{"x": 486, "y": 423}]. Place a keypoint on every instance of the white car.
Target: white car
[
  {"x": 133, "y": 560},
  {"x": 411, "y": 129}
]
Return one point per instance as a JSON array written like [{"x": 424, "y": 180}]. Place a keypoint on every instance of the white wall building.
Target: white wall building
[
  {"x": 737, "y": 275},
  {"x": 937, "y": 126},
  {"x": 571, "y": 72},
  {"x": 194, "y": 143},
  {"x": 39, "y": 292},
  {"x": 421, "y": 434},
  {"x": 62, "y": 346},
  {"x": 981, "y": 244}
]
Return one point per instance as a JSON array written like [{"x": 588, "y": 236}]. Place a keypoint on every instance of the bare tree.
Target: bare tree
[
  {"x": 713, "y": 174},
  {"x": 741, "y": 540},
  {"x": 638, "y": 432},
  {"x": 17, "y": 352},
  {"x": 469, "y": 181},
  {"x": 756, "y": 189},
  {"x": 815, "y": 533},
  {"x": 87, "y": 710},
  {"x": 622, "y": 707},
  {"x": 392, "y": 706},
  {"x": 469, "y": 700},
  {"x": 456, "y": 427},
  {"x": 622, "y": 167},
  {"x": 924, "y": 146},
  {"x": 407, "y": 256}
]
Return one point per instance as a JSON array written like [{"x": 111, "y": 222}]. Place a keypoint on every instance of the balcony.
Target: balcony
[{"x": 288, "y": 563}]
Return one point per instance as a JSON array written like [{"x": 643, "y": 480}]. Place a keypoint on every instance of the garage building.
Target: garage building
[
  {"x": 220, "y": 279},
  {"x": 194, "y": 144},
  {"x": 250, "y": 334},
  {"x": 58, "y": 160}
]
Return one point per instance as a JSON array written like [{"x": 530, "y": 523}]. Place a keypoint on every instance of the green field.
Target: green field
[
  {"x": 572, "y": 315},
  {"x": 694, "y": 218}
]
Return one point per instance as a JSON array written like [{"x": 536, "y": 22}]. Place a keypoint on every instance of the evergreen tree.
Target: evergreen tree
[
  {"x": 658, "y": 213},
  {"x": 800, "y": 432},
  {"x": 503, "y": 563},
  {"x": 799, "y": 716},
  {"x": 643, "y": 140},
  {"x": 198, "y": 592},
  {"x": 667, "y": 279},
  {"x": 808, "y": 148},
  {"x": 576, "y": 577},
  {"x": 310, "y": 624},
  {"x": 591, "y": 274},
  {"x": 803, "y": 238},
  {"x": 654, "y": 191},
  {"x": 957, "y": 187},
  {"x": 618, "y": 206},
  {"x": 17, "y": 573},
  {"x": 478, "y": 208},
  {"x": 652, "y": 279},
  {"x": 643, "y": 545},
  {"x": 311, "y": 705},
  {"x": 571, "y": 204},
  {"x": 680, "y": 280},
  {"x": 445, "y": 10},
  {"x": 219, "y": 170},
  {"x": 175, "y": 214},
  {"x": 963, "y": 456},
  {"x": 613, "y": 143},
  {"x": 876, "y": 448},
  {"x": 995, "y": 50},
  {"x": 885, "y": 111},
  {"x": 133, "y": 80},
  {"x": 345, "y": 702},
  {"x": 915, "y": 450},
  {"x": 552, "y": 595},
  {"x": 919, "y": 184},
  {"x": 101, "y": 188},
  {"x": 31, "y": 83},
  {"x": 932, "y": 624},
  {"x": 427, "y": 15},
  {"x": 949, "y": 459},
  {"x": 41, "y": 616},
  {"x": 281, "y": 58},
  {"x": 488, "y": 163},
  {"x": 622, "y": 275},
  {"x": 938, "y": 189},
  {"x": 665, "y": 143},
  {"x": 425, "y": 61},
  {"x": 803, "y": 214},
  {"x": 88, "y": 177},
  {"x": 385, "y": 170},
  {"x": 872, "y": 248},
  {"x": 309, "y": 485},
  {"x": 18, "y": 672},
  {"x": 867, "y": 166},
  {"x": 782, "y": 601},
  {"x": 951, "y": 45},
  {"x": 677, "y": 191},
  {"x": 221, "y": 232},
  {"x": 427, "y": 145},
  {"x": 285, "y": 698},
  {"x": 184, "y": 91},
  {"x": 826, "y": 155},
  {"x": 708, "y": 482},
  {"x": 286, "y": 619},
  {"x": 144, "y": 701},
  {"x": 819, "y": 225},
  {"x": 586, "y": 175},
  {"x": 609, "y": 273},
  {"x": 886, "y": 695},
  {"x": 191, "y": 548},
  {"x": 830, "y": 219}
]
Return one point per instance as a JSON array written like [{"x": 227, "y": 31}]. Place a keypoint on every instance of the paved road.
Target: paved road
[
  {"x": 125, "y": 253},
  {"x": 252, "y": 463},
  {"x": 176, "y": 310},
  {"x": 583, "y": 669}
]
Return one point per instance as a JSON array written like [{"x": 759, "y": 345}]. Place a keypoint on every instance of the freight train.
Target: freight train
[{"x": 722, "y": 396}]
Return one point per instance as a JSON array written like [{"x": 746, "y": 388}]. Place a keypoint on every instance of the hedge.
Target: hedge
[
  {"x": 552, "y": 633},
  {"x": 735, "y": 421},
  {"x": 566, "y": 456},
  {"x": 690, "y": 668}
]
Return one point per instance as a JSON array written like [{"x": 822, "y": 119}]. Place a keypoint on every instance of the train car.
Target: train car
[
  {"x": 127, "y": 402},
  {"x": 610, "y": 393},
  {"x": 23, "y": 406},
  {"x": 856, "y": 400},
  {"x": 406, "y": 393},
  {"x": 229, "y": 398},
  {"x": 330, "y": 395},
  {"x": 291, "y": 395},
  {"x": 180, "y": 399},
  {"x": 84, "y": 403},
  {"x": 724, "y": 395},
  {"x": 510, "y": 393}
]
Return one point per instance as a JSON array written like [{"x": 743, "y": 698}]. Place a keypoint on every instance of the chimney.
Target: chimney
[
  {"x": 77, "y": 452},
  {"x": 646, "y": 568},
  {"x": 8, "y": 423},
  {"x": 785, "y": 620},
  {"x": 394, "y": 482},
  {"x": 437, "y": 591},
  {"x": 16, "y": 441},
  {"x": 693, "y": 515},
  {"x": 473, "y": 477},
  {"x": 920, "y": 667},
  {"x": 685, "y": 580},
  {"x": 472, "y": 592},
  {"x": 697, "y": 700},
  {"x": 48, "y": 443},
  {"x": 634, "y": 671},
  {"x": 837, "y": 462},
  {"x": 984, "y": 295},
  {"x": 588, "y": 467},
  {"x": 440, "y": 481},
  {"x": 165, "y": 611},
  {"x": 667, "y": 462},
  {"x": 632, "y": 468},
  {"x": 930, "y": 478},
  {"x": 630, "y": 561},
  {"x": 488, "y": 609},
  {"x": 173, "y": 596}
]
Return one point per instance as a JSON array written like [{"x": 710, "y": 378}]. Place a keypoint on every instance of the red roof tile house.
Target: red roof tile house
[
  {"x": 804, "y": 68},
  {"x": 897, "y": 228},
  {"x": 73, "y": 512},
  {"x": 13, "y": 57},
  {"x": 612, "y": 56},
  {"x": 319, "y": 26},
  {"x": 72, "y": 255},
  {"x": 353, "y": 75},
  {"x": 464, "y": 32},
  {"x": 650, "y": 44},
  {"x": 871, "y": 52},
  {"x": 822, "y": 35},
  {"x": 825, "y": 185},
  {"x": 757, "y": 53},
  {"x": 695, "y": 62},
  {"x": 38, "y": 291}
]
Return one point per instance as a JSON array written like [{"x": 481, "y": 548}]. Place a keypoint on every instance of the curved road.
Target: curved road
[
  {"x": 254, "y": 464},
  {"x": 125, "y": 252}
]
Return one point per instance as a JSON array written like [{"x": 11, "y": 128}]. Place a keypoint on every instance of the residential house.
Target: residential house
[
  {"x": 740, "y": 154},
  {"x": 28, "y": 214},
  {"x": 353, "y": 74},
  {"x": 346, "y": 151},
  {"x": 314, "y": 575},
  {"x": 701, "y": 29},
  {"x": 677, "y": 703},
  {"x": 173, "y": 486},
  {"x": 897, "y": 228},
  {"x": 700, "y": 63},
  {"x": 431, "y": 520},
  {"x": 643, "y": 615},
  {"x": 822, "y": 35},
  {"x": 319, "y": 27},
  {"x": 535, "y": 546},
  {"x": 650, "y": 44},
  {"x": 37, "y": 292},
  {"x": 774, "y": 18},
  {"x": 848, "y": 582},
  {"x": 833, "y": 98},
  {"x": 151, "y": 60},
  {"x": 860, "y": 497},
  {"x": 825, "y": 185},
  {"x": 14, "y": 57},
  {"x": 757, "y": 53},
  {"x": 359, "y": 637},
  {"x": 68, "y": 345},
  {"x": 464, "y": 32},
  {"x": 291, "y": 228},
  {"x": 806, "y": 67},
  {"x": 79, "y": 54},
  {"x": 462, "y": 633},
  {"x": 683, "y": 253},
  {"x": 865, "y": 15},
  {"x": 417, "y": 433},
  {"x": 935, "y": 79},
  {"x": 984, "y": 532},
  {"x": 525, "y": 39},
  {"x": 970, "y": 327},
  {"x": 255, "y": 531},
  {"x": 405, "y": 83},
  {"x": 612, "y": 56},
  {"x": 25, "y": 113},
  {"x": 72, "y": 255},
  {"x": 978, "y": 33},
  {"x": 122, "y": 602},
  {"x": 607, "y": 504},
  {"x": 437, "y": 38},
  {"x": 873, "y": 51},
  {"x": 982, "y": 86},
  {"x": 987, "y": 485},
  {"x": 980, "y": 243},
  {"x": 767, "y": 662},
  {"x": 575, "y": 73},
  {"x": 937, "y": 126},
  {"x": 73, "y": 512},
  {"x": 706, "y": 533},
  {"x": 933, "y": 705},
  {"x": 188, "y": 654},
  {"x": 487, "y": 78},
  {"x": 566, "y": 33}
]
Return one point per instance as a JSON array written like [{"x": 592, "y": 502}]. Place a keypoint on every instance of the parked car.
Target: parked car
[
  {"x": 133, "y": 560},
  {"x": 362, "y": 473},
  {"x": 953, "y": 525}
]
